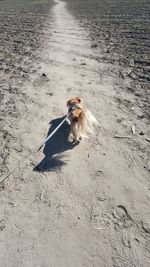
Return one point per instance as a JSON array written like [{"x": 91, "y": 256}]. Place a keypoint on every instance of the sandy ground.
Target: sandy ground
[{"x": 84, "y": 205}]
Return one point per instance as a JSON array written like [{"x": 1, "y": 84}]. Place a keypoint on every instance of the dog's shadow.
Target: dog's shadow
[{"x": 56, "y": 145}]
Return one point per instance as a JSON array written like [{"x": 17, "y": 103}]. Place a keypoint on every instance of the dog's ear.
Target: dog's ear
[
  {"x": 68, "y": 103},
  {"x": 79, "y": 99}
]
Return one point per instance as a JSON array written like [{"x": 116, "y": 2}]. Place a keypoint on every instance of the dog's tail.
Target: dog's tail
[{"x": 91, "y": 121}]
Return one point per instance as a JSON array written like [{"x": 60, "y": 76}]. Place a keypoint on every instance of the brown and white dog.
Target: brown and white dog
[{"x": 80, "y": 119}]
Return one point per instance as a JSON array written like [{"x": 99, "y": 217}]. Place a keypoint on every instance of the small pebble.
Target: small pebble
[{"x": 94, "y": 45}]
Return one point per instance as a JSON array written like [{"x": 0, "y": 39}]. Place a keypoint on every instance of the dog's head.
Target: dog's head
[{"x": 74, "y": 101}]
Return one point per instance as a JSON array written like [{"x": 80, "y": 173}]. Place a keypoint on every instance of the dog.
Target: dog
[{"x": 80, "y": 119}]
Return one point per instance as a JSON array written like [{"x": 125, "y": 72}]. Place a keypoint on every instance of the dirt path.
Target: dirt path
[{"x": 85, "y": 205}]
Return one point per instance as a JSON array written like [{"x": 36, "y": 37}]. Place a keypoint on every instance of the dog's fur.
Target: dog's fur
[{"x": 80, "y": 119}]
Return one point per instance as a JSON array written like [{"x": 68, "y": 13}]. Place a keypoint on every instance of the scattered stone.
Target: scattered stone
[
  {"x": 122, "y": 137},
  {"x": 148, "y": 166},
  {"x": 121, "y": 75},
  {"x": 101, "y": 198},
  {"x": 146, "y": 227},
  {"x": 137, "y": 240},
  {"x": 17, "y": 148},
  {"x": 119, "y": 120},
  {"x": 130, "y": 89},
  {"x": 7, "y": 70},
  {"x": 20, "y": 68},
  {"x": 141, "y": 133},
  {"x": 123, "y": 208},
  {"x": 94, "y": 45},
  {"x": 133, "y": 129},
  {"x": 139, "y": 117},
  {"x": 138, "y": 94},
  {"x": 50, "y": 94},
  {"x": 2, "y": 225},
  {"x": 107, "y": 51}
]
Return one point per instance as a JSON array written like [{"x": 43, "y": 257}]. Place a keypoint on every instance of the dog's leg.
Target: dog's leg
[{"x": 75, "y": 133}]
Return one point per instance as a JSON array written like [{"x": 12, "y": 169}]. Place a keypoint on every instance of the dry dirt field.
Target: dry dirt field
[{"x": 86, "y": 205}]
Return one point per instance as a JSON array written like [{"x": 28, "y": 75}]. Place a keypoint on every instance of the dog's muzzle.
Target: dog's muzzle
[{"x": 72, "y": 108}]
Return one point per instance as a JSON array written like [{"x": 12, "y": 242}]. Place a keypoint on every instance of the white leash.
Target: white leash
[{"x": 37, "y": 150}]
